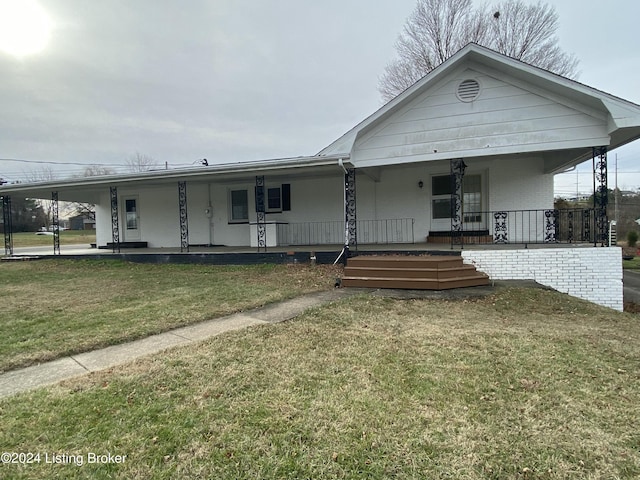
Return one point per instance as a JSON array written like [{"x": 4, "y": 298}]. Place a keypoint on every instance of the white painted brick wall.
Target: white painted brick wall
[{"x": 593, "y": 274}]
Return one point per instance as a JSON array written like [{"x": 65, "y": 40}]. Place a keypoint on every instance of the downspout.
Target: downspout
[
  {"x": 209, "y": 214},
  {"x": 345, "y": 248}
]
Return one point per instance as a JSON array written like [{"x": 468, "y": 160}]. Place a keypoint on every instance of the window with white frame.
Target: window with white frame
[
  {"x": 238, "y": 206},
  {"x": 278, "y": 198},
  {"x": 441, "y": 188}
]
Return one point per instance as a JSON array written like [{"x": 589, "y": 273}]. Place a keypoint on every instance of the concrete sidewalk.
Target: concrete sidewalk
[
  {"x": 24, "y": 379},
  {"x": 29, "y": 378}
]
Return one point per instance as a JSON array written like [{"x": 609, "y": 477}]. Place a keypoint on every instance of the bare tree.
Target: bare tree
[
  {"x": 139, "y": 162},
  {"x": 437, "y": 29},
  {"x": 97, "y": 170},
  {"x": 88, "y": 210}
]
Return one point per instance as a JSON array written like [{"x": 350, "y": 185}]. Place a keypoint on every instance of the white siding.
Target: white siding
[{"x": 504, "y": 119}]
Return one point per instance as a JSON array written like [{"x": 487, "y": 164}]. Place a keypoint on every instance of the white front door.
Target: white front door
[{"x": 131, "y": 219}]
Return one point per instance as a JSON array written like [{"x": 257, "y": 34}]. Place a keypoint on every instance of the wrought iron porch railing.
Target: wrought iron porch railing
[
  {"x": 528, "y": 227},
  {"x": 397, "y": 230}
]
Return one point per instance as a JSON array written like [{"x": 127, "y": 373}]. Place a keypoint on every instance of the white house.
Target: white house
[{"x": 467, "y": 154}]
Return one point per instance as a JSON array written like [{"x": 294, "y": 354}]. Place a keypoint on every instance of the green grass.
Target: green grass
[
  {"x": 632, "y": 264},
  {"x": 67, "y": 237},
  {"x": 55, "y": 308},
  {"x": 524, "y": 384}
]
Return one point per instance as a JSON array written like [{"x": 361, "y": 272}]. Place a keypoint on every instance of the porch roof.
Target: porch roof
[{"x": 85, "y": 189}]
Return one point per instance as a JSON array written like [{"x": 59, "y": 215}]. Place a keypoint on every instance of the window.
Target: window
[
  {"x": 441, "y": 187},
  {"x": 239, "y": 206},
  {"x": 472, "y": 198},
  {"x": 274, "y": 199},
  {"x": 279, "y": 198},
  {"x": 131, "y": 214}
]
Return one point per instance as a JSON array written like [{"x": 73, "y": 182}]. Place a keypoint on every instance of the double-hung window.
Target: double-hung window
[
  {"x": 239, "y": 206},
  {"x": 278, "y": 198},
  {"x": 441, "y": 188}
]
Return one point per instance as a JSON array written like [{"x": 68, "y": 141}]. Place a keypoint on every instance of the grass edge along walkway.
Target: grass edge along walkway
[{"x": 16, "y": 381}]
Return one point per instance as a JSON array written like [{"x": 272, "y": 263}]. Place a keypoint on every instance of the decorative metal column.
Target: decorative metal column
[
  {"x": 261, "y": 227},
  {"x": 457, "y": 176},
  {"x": 184, "y": 224},
  {"x": 7, "y": 224},
  {"x": 600, "y": 196},
  {"x": 55, "y": 223},
  {"x": 115, "y": 223},
  {"x": 551, "y": 226},
  {"x": 350, "y": 210}
]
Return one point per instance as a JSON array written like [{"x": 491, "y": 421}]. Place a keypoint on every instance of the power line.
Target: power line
[
  {"x": 50, "y": 162},
  {"x": 83, "y": 164}
]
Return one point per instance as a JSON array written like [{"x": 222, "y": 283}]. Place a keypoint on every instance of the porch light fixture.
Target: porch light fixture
[{"x": 420, "y": 184}]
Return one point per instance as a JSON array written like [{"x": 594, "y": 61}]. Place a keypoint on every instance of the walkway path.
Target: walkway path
[{"x": 24, "y": 379}]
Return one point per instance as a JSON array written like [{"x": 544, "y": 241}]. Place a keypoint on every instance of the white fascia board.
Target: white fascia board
[{"x": 622, "y": 116}]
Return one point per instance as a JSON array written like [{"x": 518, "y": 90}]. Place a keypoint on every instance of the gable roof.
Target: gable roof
[{"x": 623, "y": 116}]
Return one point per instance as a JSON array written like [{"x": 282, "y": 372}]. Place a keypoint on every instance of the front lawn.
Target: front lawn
[
  {"x": 525, "y": 384},
  {"x": 633, "y": 264},
  {"x": 67, "y": 237},
  {"x": 52, "y": 308}
]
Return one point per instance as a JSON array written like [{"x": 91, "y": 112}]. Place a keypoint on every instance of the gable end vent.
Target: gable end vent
[{"x": 468, "y": 90}]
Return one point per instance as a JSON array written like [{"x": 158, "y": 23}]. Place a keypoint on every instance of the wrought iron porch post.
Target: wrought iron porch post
[
  {"x": 184, "y": 222},
  {"x": 261, "y": 227},
  {"x": 551, "y": 226},
  {"x": 7, "y": 225},
  {"x": 55, "y": 222},
  {"x": 350, "y": 210},
  {"x": 600, "y": 196},
  {"x": 457, "y": 176},
  {"x": 115, "y": 223}
]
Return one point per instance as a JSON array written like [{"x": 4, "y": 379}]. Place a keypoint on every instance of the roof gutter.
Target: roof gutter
[{"x": 210, "y": 171}]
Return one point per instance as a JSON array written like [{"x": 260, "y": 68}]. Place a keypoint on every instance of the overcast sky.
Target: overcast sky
[{"x": 233, "y": 80}]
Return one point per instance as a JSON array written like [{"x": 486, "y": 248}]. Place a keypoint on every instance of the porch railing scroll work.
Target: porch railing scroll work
[{"x": 547, "y": 226}]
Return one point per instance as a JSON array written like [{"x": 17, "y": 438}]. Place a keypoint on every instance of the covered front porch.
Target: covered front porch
[{"x": 425, "y": 206}]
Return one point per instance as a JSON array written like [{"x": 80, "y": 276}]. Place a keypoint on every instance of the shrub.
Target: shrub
[{"x": 632, "y": 238}]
